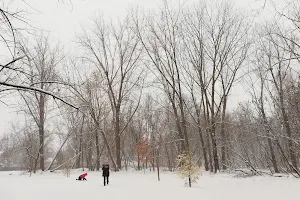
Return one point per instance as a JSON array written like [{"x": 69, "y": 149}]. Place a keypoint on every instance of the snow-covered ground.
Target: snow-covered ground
[{"x": 140, "y": 186}]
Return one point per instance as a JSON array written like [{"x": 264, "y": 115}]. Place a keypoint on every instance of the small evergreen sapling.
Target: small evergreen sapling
[{"x": 187, "y": 169}]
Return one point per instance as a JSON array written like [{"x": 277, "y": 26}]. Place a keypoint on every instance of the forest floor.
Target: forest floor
[{"x": 140, "y": 186}]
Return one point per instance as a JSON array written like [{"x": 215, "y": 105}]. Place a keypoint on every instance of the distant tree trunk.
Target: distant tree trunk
[
  {"x": 168, "y": 157},
  {"x": 78, "y": 151},
  {"x": 82, "y": 157},
  {"x": 286, "y": 123},
  {"x": 30, "y": 165},
  {"x": 289, "y": 134},
  {"x": 158, "y": 172},
  {"x": 273, "y": 158},
  {"x": 36, "y": 162},
  {"x": 60, "y": 148},
  {"x": 139, "y": 163},
  {"x": 89, "y": 156}
]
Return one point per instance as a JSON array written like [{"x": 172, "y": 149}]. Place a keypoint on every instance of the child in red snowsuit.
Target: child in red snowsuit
[{"x": 82, "y": 177}]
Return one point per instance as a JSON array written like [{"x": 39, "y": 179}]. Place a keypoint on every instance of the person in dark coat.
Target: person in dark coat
[{"x": 105, "y": 173}]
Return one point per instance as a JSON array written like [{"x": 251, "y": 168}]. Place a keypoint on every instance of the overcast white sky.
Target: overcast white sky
[{"x": 63, "y": 20}]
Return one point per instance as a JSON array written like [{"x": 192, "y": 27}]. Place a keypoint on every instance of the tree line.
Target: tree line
[{"x": 161, "y": 81}]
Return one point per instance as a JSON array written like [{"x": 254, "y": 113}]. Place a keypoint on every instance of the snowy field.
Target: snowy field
[{"x": 139, "y": 186}]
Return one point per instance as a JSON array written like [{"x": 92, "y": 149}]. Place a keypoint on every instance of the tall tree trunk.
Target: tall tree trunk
[
  {"x": 212, "y": 132},
  {"x": 177, "y": 121},
  {"x": 215, "y": 150},
  {"x": 118, "y": 140},
  {"x": 109, "y": 151},
  {"x": 183, "y": 121},
  {"x": 97, "y": 151},
  {"x": 42, "y": 130},
  {"x": 206, "y": 114},
  {"x": 213, "y": 123},
  {"x": 80, "y": 149},
  {"x": 105, "y": 141},
  {"x": 204, "y": 151},
  {"x": 267, "y": 126},
  {"x": 223, "y": 138},
  {"x": 210, "y": 156},
  {"x": 181, "y": 106}
]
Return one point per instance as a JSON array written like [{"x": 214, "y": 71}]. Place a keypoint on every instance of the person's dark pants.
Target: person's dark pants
[
  {"x": 105, "y": 180},
  {"x": 80, "y": 178}
]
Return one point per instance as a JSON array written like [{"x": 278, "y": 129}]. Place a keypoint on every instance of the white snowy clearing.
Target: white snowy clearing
[{"x": 139, "y": 186}]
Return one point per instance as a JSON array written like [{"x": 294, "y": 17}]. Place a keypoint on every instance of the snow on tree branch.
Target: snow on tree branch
[{"x": 37, "y": 90}]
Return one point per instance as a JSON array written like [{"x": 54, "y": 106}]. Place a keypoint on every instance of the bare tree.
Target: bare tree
[
  {"x": 42, "y": 62},
  {"x": 277, "y": 63},
  {"x": 160, "y": 36},
  {"x": 115, "y": 51}
]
